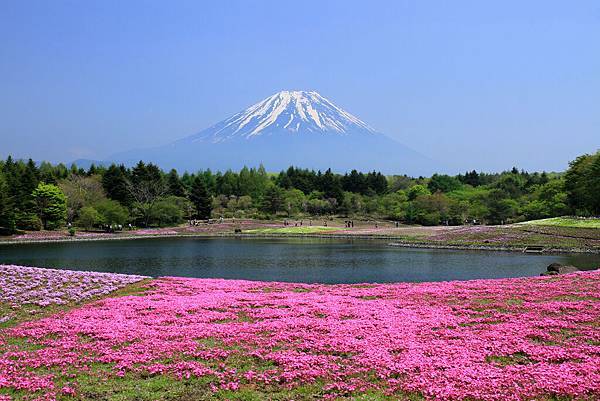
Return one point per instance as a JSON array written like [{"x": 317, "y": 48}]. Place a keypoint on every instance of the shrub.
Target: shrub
[
  {"x": 112, "y": 212},
  {"x": 28, "y": 221},
  {"x": 89, "y": 217}
]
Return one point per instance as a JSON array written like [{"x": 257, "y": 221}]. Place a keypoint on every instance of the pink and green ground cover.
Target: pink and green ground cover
[
  {"x": 516, "y": 236},
  {"x": 194, "y": 339},
  {"x": 28, "y": 290}
]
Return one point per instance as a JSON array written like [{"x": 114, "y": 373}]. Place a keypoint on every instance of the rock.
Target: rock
[
  {"x": 552, "y": 273},
  {"x": 557, "y": 268},
  {"x": 554, "y": 267},
  {"x": 567, "y": 269}
]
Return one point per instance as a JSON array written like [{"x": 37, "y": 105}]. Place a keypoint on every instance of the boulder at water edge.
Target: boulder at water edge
[{"x": 557, "y": 268}]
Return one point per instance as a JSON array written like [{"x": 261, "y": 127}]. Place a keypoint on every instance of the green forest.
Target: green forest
[{"x": 47, "y": 196}]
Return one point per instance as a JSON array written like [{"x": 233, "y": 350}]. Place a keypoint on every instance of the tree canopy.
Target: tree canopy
[{"x": 49, "y": 196}]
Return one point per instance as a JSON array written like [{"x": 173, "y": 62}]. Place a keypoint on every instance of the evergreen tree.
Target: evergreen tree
[
  {"x": 471, "y": 178},
  {"x": 7, "y": 212},
  {"x": 28, "y": 183},
  {"x": 211, "y": 181},
  {"x": 354, "y": 182},
  {"x": 114, "y": 182},
  {"x": 61, "y": 172},
  {"x": 146, "y": 187},
  {"x": 11, "y": 176},
  {"x": 377, "y": 183},
  {"x": 332, "y": 187},
  {"x": 146, "y": 173},
  {"x": 274, "y": 200},
  {"x": 47, "y": 173},
  {"x": 73, "y": 169},
  {"x": 92, "y": 170},
  {"x": 284, "y": 180},
  {"x": 443, "y": 183},
  {"x": 594, "y": 185},
  {"x": 201, "y": 199},
  {"x": 174, "y": 185},
  {"x": 227, "y": 184},
  {"x": 25, "y": 207},
  {"x": 187, "y": 180}
]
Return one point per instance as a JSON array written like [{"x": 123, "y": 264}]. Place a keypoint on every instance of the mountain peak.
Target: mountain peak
[
  {"x": 288, "y": 128},
  {"x": 291, "y": 112}
]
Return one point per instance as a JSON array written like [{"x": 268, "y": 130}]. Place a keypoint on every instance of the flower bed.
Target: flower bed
[
  {"x": 507, "y": 339},
  {"x": 22, "y": 287},
  {"x": 40, "y": 235}
]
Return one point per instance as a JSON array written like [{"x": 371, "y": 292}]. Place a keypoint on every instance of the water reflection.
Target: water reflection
[{"x": 299, "y": 260}]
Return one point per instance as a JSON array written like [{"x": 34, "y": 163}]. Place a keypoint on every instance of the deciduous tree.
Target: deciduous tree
[{"x": 51, "y": 205}]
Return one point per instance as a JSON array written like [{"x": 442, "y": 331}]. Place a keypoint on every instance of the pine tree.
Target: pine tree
[
  {"x": 7, "y": 212},
  {"x": 331, "y": 187},
  {"x": 115, "y": 184},
  {"x": 174, "y": 185},
  {"x": 593, "y": 185},
  {"x": 28, "y": 182},
  {"x": 273, "y": 201},
  {"x": 29, "y": 179},
  {"x": 92, "y": 170},
  {"x": 11, "y": 176},
  {"x": 201, "y": 199},
  {"x": 47, "y": 173}
]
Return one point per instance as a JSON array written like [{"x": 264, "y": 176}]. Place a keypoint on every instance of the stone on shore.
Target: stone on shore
[{"x": 557, "y": 268}]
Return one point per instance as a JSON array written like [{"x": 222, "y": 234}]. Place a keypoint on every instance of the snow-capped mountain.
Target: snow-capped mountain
[
  {"x": 286, "y": 112},
  {"x": 297, "y": 128}
]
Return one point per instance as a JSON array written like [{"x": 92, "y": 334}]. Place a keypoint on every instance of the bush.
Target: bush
[
  {"x": 112, "y": 212},
  {"x": 167, "y": 211},
  {"x": 28, "y": 221},
  {"x": 89, "y": 217},
  {"x": 72, "y": 232}
]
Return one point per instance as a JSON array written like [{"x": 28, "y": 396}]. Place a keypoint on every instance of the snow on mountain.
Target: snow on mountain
[
  {"x": 285, "y": 112},
  {"x": 296, "y": 128}
]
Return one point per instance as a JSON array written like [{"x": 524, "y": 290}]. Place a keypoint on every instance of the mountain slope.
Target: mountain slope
[
  {"x": 288, "y": 128},
  {"x": 285, "y": 113}
]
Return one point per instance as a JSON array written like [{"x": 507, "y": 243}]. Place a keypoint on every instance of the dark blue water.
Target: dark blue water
[{"x": 297, "y": 260}]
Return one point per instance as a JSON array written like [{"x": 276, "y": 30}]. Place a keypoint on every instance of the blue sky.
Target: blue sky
[{"x": 473, "y": 84}]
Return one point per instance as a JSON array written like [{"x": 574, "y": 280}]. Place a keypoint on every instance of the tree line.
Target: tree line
[{"x": 47, "y": 196}]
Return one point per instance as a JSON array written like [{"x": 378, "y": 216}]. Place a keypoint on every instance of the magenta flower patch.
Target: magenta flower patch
[{"x": 509, "y": 339}]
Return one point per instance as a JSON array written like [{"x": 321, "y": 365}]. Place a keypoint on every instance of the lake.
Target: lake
[{"x": 286, "y": 259}]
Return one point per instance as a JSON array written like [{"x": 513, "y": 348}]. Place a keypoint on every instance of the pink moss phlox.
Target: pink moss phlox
[{"x": 508, "y": 339}]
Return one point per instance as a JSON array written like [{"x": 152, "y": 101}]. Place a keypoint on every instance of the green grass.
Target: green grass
[
  {"x": 293, "y": 230},
  {"x": 565, "y": 222},
  {"x": 518, "y": 358},
  {"x": 166, "y": 388},
  {"x": 98, "y": 384}
]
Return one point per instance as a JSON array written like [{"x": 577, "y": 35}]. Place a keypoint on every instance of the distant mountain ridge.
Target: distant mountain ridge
[{"x": 300, "y": 128}]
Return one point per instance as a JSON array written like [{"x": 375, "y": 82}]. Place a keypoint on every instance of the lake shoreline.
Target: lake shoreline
[{"x": 395, "y": 241}]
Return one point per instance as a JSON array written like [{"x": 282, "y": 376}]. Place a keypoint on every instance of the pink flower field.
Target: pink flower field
[
  {"x": 22, "y": 285},
  {"x": 510, "y": 339}
]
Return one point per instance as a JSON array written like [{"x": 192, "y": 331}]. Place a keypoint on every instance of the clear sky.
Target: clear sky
[{"x": 474, "y": 84}]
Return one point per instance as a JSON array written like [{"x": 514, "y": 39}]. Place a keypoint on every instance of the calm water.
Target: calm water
[{"x": 299, "y": 260}]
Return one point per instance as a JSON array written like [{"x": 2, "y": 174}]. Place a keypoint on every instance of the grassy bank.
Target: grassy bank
[
  {"x": 574, "y": 222},
  {"x": 555, "y": 238},
  {"x": 293, "y": 230}
]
